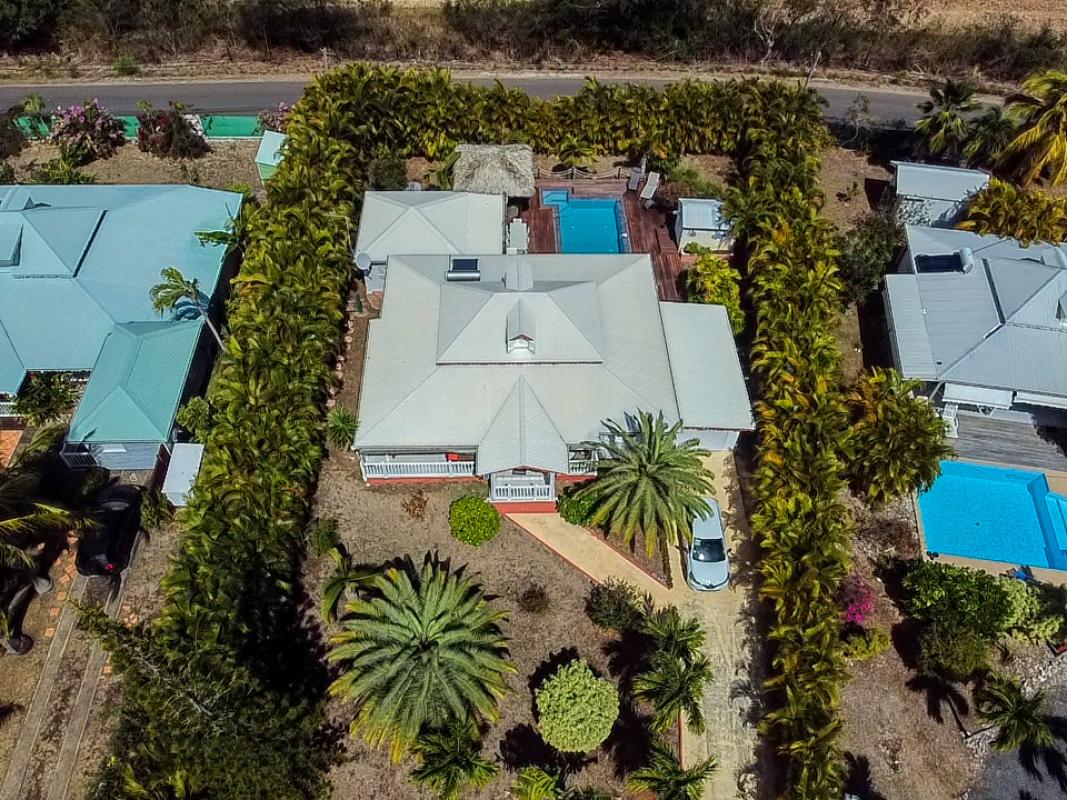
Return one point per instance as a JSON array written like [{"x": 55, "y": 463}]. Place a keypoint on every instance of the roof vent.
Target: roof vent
[
  {"x": 519, "y": 276},
  {"x": 521, "y": 328},
  {"x": 463, "y": 269},
  {"x": 967, "y": 261}
]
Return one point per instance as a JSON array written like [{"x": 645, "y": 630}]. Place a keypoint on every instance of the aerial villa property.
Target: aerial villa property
[
  {"x": 512, "y": 328},
  {"x": 76, "y": 267}
]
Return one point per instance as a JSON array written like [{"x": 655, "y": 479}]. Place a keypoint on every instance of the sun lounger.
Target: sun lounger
[{"x": 649, "y": 191}]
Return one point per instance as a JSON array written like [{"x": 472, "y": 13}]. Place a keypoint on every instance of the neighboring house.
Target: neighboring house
[
  {"x": 76, "y": 267},
  {"x": 929, "y": 194},
  {"x": 700, "y": 221},
  {"x": 982, "y": 321},
  {"x": 506, "y": 367},
  {"x": 270, "y": 153},
  {"x": 423, "y": 223},
  {"x": 506, "y": 169}
]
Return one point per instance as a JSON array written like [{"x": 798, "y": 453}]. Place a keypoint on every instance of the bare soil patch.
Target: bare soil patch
[{"x": 852, "y": 184}]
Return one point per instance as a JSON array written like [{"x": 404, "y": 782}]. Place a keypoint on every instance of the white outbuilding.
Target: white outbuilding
[{"x": 701, "y": 221}]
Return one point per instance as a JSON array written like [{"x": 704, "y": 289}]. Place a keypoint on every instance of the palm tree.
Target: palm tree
[
  {"x": 987, "y": 137},
  {"x": 176, "y": 786},
  {"x": 424, "y": 650},
  {"x": 650, "y": 482},
  {"x": 672, "y": 635},
  {"x": 535, "y": 783},
  {"x": 451, "y": 761},
  {"x": 1003, "y": 209},
  {"x": 344, "y": 577},
  {"x": 176, "y": 290},
  {"x": 1040, "y": 148},
  {"x": 1021, "y": 720},
  {"x": 24, "y": 517},
  {"x": 341, "y": 427},
  {"x": 943, "y": 127},
  {"x": 667, "y": 779},
  {"x": 672, "y": 686}
]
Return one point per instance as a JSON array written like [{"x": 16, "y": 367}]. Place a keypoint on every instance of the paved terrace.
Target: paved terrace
[{"x": 648, "y": 229}]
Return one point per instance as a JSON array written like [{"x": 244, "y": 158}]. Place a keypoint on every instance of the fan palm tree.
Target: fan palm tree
[
  {"x": 943, "y": 126},
  {"x": 424, "y": 650},
  {"x": 987, "y": 137},
  {"x": 672, "y": 635},
  {"x": 174, "y": 291},
  {"x": 667, "y": 779},
  {"x": 1021, "y": 720},
  {"x": 1040, "y": 147},
  {"x": 450, "y": 761},
  {"x": 671, "y": 686},
  {"x": 650, "y": 482}
]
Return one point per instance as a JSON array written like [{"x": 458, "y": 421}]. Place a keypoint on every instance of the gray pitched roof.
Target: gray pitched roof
[
  {"x": 995, "y": 325},
  {"x": 935, "y": 182}
]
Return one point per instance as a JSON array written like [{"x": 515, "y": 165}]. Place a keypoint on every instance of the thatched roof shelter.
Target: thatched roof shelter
[{"x": 494, "y": 169}]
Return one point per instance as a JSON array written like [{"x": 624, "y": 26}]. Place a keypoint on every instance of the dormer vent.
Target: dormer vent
[
  {"x": 521, "y": 328},
  {"x": 1061, "y": 310}
]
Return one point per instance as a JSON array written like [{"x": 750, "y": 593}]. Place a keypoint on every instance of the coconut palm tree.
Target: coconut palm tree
[
  {"x": 1040, "y": 147},
  {"x": 987, "y": 137},
  {"x": 943, "y": 126},
  {"x": 174, "y": 291},
  {"x": 451, "y": 761},
  {"x": 671, "y": 686},
  {"x": 1020, "y": 720},
  {"x": 650, "y": 482},
  {"x": 667, "y": 779},
  {"x": 425, "y": 649}
]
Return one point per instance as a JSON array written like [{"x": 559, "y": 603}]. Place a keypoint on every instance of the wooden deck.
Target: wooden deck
[
  {"x": 1013, "y": 444},
  {"x": 647, "y": 230}
]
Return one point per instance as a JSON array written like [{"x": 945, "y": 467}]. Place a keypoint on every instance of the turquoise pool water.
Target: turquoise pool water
[
  {"x": 996, "y": 514},
  {"x": 588, "y": 224}
]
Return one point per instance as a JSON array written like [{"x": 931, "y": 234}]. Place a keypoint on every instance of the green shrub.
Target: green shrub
[
  {"x": 952, "y": 650},
  {"x": 473, "y": 520},
  {"x": 341, "y": 427},
  {"x": 388, "y": 172},
  {"x": 125, "y": 66},
  {"x": 46, "y": 396},
  {"x": 712, "y": 280},
  {"x": 60, "y": 172},
  {"x": 615, "y": 605},
  {"x": 156, "y": 511},
  {"x": 867, "y": 644},
  {"x": 575, "y": 709},
  {"x": 867, "y": 253},
  {"x": 575, "y": 509},
  {"x": 7, "y": 172},
  {"x": 958, "y": 596},
  {"x": 165, "y": 132},
  {"x": 1029, "y": 616},
  {"x": 195, "y": 417}
]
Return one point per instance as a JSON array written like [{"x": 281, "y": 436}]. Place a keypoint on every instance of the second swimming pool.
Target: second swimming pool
[
  {"x": 995, "y": 514},
  {"x": 588, "y": 224}
]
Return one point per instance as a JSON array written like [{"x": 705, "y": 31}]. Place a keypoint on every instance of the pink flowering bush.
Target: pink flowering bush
[
  {"x": 856, "y": 598},
  {"x": 86, "y": 132},
  {"x": 275, "y": 119}
]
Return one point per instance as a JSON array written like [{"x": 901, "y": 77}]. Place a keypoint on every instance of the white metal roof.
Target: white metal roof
[
  {"x": 935, "y": 182},
  {"x": 708, "y": 383},
  {"x": 702, "y": 214},
  {"x": 271, "y": 148},
  {"x": 438, "y": 373},
  {"x": 183, "y": 468},
  {"x": 456, "y": 223}
]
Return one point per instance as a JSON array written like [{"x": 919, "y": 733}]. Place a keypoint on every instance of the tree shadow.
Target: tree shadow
[
  {"x": 905, "y": 637},
  {"x": 630, "y": 740},
  {"x": 522, "y": 746},
  {"x": 858, "y": 779},
  {"x": 7, "y": 711},
  {"x": 940, "y": 692},
  {"x": 627, "y": 657}
]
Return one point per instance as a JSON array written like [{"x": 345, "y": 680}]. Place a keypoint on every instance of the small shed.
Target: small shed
[
  {"x": 270, "y": 153},
  {"x": 701, "y": 221},
  {"x": 184, "y": 466},
  {"x": 506, "y": 169}
]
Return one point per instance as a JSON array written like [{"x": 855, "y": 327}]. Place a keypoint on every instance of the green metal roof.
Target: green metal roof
[
  {"x": 137, "y": 383},
  {"x": 271, "y": 149}
]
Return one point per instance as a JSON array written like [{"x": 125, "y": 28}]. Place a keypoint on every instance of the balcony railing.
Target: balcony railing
[
  {"x": 417, "y": 469},
  {"x": 581, "y": 467},
  {"x": 509, "y": 488},
  {"x": 7, "y": 408}
]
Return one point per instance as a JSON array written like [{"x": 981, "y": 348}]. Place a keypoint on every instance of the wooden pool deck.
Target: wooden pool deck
[
  {"x": 647, "y": 229},
  {"x": 1010, "y": 444}
]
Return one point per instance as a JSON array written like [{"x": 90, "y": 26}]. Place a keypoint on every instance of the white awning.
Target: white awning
[
  {"x": 978, "y": 396},
  {"x": 1047, "y": 400}
]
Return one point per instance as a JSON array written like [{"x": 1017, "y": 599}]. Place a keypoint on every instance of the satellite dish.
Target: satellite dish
[{"x": 363, "y": 260}]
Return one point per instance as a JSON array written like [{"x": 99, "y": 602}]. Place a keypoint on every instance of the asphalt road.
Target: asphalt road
[{"x": 250, "y": 97}]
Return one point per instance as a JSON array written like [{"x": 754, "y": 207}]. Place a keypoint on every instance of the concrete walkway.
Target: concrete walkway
[{"x": 724, "y": 615}]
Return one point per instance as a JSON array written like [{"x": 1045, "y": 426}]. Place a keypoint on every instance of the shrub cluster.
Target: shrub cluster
[
  {"x": 86, "y": 132},
  {"x": 165, "y": 132},
  {"x": 615, "y": 605},
  {"x": 867, "y": 251},
  {"x": 575, "y": 508},
  {"x": 46, "y": 396},
  {"x": 712, "y": 280},
  {"x": 473, "y": 520},
  {"x": 1029, "y": 215},
  {"x": 575, "y": 709}
]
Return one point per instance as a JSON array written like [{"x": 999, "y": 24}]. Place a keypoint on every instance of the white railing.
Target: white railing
[
  {"x": 579, "y": 467},
  {"x": 417, "y": 469},
  {"x": 7, "y": 408},
  {"x": 75, "y": 460},
  {"x": 505, "y": 493}
]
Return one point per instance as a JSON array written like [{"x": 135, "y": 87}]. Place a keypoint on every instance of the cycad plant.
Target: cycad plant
[
  {"x": 650, "y": 482},
  {"x": 341, "y": 427},
  {"x": 425, "y": 649},
  {"x": 345, "y": 577},
  {"x": 1021, "y": 720},
  {"x": 671, "y": 686},
  {"x": 665, "y": 777},
  {"x": 943, "y": 126},
  {"x": 1040, "y": 148},
  {"x": 450, "y": 760}
]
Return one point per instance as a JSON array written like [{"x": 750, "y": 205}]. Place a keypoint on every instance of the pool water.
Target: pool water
[
  {"x": 995, "y": 514},
  {"x": 588, "y": 224}
]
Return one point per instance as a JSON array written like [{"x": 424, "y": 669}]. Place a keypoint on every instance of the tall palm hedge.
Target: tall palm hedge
[{"x": 223, "y": 687}]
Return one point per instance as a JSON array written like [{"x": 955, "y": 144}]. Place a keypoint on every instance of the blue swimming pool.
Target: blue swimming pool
[
  {"x": 588, "y": 224},
  {"x": 995, "y": 514}
]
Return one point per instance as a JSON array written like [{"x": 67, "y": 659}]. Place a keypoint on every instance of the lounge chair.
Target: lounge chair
[
  {"x": 636, "y": 174},
  {"x": 649, "y": 192},
  {"x": 950, "y": 416}
]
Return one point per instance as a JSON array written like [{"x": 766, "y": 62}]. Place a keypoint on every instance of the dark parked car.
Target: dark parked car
[{"x": 105, "y": 550}]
